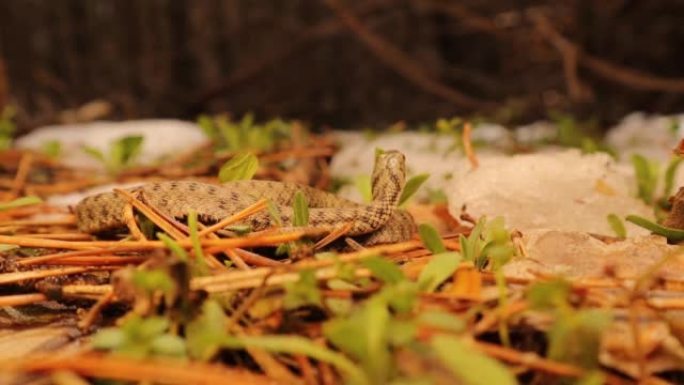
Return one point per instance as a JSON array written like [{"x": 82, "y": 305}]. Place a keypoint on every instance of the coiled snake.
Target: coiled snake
[{"x": 377, "y": 222}]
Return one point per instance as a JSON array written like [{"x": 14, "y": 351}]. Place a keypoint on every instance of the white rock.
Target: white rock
[
  {"x": 579, "y": 255},
  {"x": 162, "y": 138},
  {"x": 560, "y": 191}
]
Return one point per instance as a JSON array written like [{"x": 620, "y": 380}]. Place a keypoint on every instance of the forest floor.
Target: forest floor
[{"x": 530, "y": 263}]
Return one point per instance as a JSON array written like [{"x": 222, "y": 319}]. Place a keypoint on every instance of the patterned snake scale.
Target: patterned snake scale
[{"x": 377, "y": 222}]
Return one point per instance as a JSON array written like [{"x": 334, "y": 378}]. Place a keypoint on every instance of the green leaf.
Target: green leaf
[
  {"x": 108, "y": 339},
  {"x": 616, "y": 224},
  {"x": 19, "y": 202},
  {"x": 412, "y": 185},
  {"x": 363, "y": 185},
  {"x": 95, "y": 153},
  {"x": 204, "y": 335},
  {"x": 469, "y": 365},
  {"x": 153, "y": 280},
  {"x": 431, "y": 239},
  {"x": 441, "y": 320},
  {"x": 384, "y": 270},
  {"x": 150, "y": 328},
  {"x": 125, "y": 150},
  {"x": 670, "y": 173},
  {"x": 575, "y": 337},
  {"x": 207, "y": 125},
  {"x": 303, "y": 346},
  {"x": 274, "y": 212},
  {"x": 401, "y": 332},
  {"x": 302, "y": 292},
  {"x": 168, "y": 345},
  {"x": 471, "y": 247},
  {"x": 549, "y": 295},
  {"x": 174, "y": 247},
  {"x": 441, "y": 267},
  {"x": 241, "y": 167},
  {"x": 448, "y": 126},
  {"x": 231, "y": 135},
  {"x": 437, "y": 197},
  {"x": 647, "y": 177},
  {"x": 199, "y": 263},
  {"x": 672, "y": 235},
  {"x": 402, "y": 296},
  {"x": 301, "y": 210},
  {"x": 364, "y": 336},
  {"x": 52, "y": 148}
]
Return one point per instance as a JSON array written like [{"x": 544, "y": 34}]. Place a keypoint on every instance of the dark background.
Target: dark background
[{"x": 342, "y": 62}]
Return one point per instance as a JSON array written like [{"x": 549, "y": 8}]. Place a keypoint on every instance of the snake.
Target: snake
[{"x": 377, "y": 222}]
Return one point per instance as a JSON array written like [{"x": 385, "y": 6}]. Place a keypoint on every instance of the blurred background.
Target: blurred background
[{"x": 345, "y": 63}]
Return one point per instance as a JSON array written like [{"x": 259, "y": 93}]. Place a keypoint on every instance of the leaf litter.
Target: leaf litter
[{"x": 469, "y": 301}]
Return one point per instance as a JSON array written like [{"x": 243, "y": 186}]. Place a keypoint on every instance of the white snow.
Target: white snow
[
  {"x": 162, "y": 138},
  {"x": 562, "y": 191}
]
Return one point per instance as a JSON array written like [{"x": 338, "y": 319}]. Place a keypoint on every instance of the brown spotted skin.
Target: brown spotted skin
[{"x": 378, "y": 222}]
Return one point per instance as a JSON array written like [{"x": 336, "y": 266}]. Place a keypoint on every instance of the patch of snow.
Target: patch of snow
[
  {"x": 537, "y": 132},
  {"x": 562, "y": 191},
  {"x": 494, "y": 135},
  {"x": 651, "y": 136},
  {"x": 162, "y": 138}
]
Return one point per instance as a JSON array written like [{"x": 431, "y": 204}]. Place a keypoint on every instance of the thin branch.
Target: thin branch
[
  {"x": 401, "y": 63},
  {"x": 607, "y": 70},
  {"x": 254, "y": 67}
]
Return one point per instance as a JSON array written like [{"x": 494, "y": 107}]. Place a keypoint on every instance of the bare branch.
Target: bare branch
[
  {"x": 607, "y": 70},
  {"x": 401, "y": 63}
]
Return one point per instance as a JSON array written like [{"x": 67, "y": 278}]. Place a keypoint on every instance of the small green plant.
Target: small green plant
[
  {"x": 52, "y": 148},
  {"x": 572, "y": 133},
  {"x": 646, "y": 172},
  {"x": 437, "y": 196},
  {"x": 7, "y": 127},
  {"x": 470, "y": 366},
  {"x": 487, "y": 242},
  {"x": 242, "y": 166},
  {"x": 121, "y": 155},
  {"x": 302, "y": 292},
  {"x": 670, "y": 173},
  {"x": 198, "y": 266},
  {"x": 300, "y": 209},
  {"x": 574, "y": 336},
  {"x": 411, "y": 187},
  {"x": 245, "y": 134},
  {"x": 140, "y": 338},
  {"x": 449, "y": 126},
  {"x": 443, "y": 263},
  {"x": 616, "y": 224}
]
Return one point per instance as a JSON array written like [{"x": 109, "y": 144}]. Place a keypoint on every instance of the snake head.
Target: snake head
[{"x": 389, "y": 176}]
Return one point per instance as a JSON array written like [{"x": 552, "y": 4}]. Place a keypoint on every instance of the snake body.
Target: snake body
[{"x": 377, "y": 222}]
